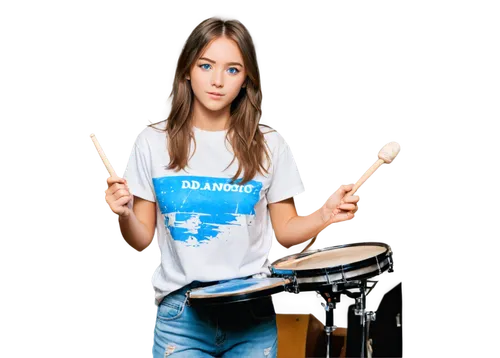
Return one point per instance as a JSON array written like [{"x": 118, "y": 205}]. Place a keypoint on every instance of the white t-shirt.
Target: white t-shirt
[{"x": 209, "y": 229}]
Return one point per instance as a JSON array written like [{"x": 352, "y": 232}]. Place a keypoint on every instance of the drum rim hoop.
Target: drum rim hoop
[
  {"x": 220, "y": 299},
  {"x": 335, "y": 269}
]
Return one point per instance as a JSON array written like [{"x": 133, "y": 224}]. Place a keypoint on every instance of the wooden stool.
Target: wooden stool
[
  {"x": 292, "y": 334},
  {"x": 303, "y": 335}
]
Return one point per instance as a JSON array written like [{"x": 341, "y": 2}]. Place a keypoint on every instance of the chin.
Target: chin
[{"x": 215, "y": 106}]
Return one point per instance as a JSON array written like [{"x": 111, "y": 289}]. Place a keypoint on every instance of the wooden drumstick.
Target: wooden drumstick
[
  {"x": 103, "y": 156},
  {"x": 386, "y": 155}
]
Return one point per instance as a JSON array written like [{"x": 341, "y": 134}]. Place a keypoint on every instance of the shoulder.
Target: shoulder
[
  {"x": 273, "y": 138},
  {"x": 153, "y": 134}
]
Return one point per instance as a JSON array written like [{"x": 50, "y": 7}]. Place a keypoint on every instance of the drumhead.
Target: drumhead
[
  {"x": 335, "y": 264},
  {"x": 237, "y": 290}
]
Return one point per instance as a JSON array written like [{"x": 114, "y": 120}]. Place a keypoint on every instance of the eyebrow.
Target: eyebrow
[{"x": 229, "y": 63}]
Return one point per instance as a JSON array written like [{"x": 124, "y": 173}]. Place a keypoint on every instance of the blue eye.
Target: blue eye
[{"x": 230, "y": 68}]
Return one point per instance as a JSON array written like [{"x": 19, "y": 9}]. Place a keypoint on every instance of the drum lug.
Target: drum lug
[
  {"x": 391, "y": 263},
  {"x": 343, "y": 275},
  {"x": 370, "y": 315},
  {"x": 334, "y": 287},
  {"x": 294, "y": 287}
]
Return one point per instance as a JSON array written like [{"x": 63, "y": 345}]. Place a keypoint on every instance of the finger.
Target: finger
[
  {"x": 113, "y": 180},
  {"x": 343, "y": 216},
  {"x": 116, "y": 187},
  {"x": 121, "y": 193},
  {"x": 346, "y": 188},
  {"x": 122, "y": 201},
  {"x": 343, "y": 190},
  {"x": 351, "y": 199},
  {"x": 351, "y": 215},
  {"x": 111, "y": 198},
  {"x": 347, "y": 207}
]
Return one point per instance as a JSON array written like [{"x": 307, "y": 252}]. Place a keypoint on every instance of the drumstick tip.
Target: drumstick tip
[
  {"x": 389, "y": 152},
  {"x": 103, "y": 156}
]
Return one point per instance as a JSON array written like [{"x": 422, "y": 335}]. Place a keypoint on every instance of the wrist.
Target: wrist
[
  {"x": 125, "y": 216},
  {"x": 325, "y": 214}
]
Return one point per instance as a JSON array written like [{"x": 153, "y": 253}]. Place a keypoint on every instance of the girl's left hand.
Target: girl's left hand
[{"x": 338, "y": 207}]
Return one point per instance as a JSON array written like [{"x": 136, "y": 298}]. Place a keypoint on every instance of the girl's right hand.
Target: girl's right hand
[{"x": 118, "y": 196}]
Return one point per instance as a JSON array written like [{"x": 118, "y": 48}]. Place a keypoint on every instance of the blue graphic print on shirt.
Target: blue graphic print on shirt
[{"x": 198, "y": 209}]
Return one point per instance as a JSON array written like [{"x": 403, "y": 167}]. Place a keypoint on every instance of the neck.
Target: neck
[{"x": 208, "y": 120}]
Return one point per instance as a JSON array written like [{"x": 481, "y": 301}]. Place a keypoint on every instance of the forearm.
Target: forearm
[
  {"x": 134, "y": 232},
  {"x": 302, "y": 228}
]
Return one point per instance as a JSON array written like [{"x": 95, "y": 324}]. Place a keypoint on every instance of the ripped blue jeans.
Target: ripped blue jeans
[{"x": 242, "y": 329}]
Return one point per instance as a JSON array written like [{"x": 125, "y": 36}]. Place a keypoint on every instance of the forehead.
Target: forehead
[{"x": 223, "y": 50}]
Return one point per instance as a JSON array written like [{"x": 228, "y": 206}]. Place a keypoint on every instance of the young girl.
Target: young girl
[{"x": 215, "y": 184}]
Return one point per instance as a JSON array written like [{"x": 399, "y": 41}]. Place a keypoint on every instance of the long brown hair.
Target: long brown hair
[{"x": 244, "y": 135}]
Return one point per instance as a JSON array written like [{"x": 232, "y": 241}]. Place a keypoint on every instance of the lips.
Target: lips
[{"x": 216, "y": 94}]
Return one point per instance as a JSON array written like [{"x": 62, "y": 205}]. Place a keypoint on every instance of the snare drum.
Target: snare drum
[
  {"x": 308, "y": 271},
  {"x": 237, "y": 290},
  {"x": 332, "y": 265}
]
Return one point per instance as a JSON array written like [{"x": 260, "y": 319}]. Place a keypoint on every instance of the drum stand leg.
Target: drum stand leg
[
  {"x": 331, "y": 298},
  {"x": 360, "y": 310},
  {"x": 365, "y": 316}
]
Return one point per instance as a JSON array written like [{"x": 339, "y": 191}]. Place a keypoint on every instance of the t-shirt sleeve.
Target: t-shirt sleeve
[
  {"x": 286, "y": 181},
  {"x": 138, "y": 171}
]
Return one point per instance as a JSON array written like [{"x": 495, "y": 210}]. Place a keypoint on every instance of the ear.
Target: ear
[{"x": 188, "y": 78}]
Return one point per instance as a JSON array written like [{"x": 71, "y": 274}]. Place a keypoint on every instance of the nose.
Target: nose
[{"x": 217, "y": 79}]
